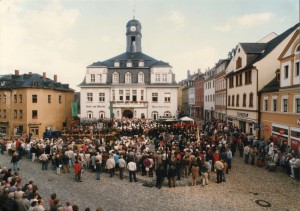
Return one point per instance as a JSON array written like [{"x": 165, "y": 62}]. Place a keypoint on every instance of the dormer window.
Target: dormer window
[
  {"x": 141, "y": 77},
  {"x": 239, "y": 63},
  {"x": 116, "y": 63},
  {"x": 128, "y": 78},
  {"x": 93, "y": 78},
  {"x": 115, "y": 77},
  {"x": 129, "y": 63},
  {"x": 141, "y": 63},
  {"x": 35, "y": 83}
]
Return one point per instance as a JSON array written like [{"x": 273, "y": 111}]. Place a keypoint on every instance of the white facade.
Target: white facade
[{"x": 209, "y": 95}]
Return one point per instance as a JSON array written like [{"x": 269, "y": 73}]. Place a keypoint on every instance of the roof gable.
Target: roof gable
[{"x": 288, "y": 50}]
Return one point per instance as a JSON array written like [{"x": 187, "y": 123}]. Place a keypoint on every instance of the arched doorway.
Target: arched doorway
[{"x": 127, "y": 114}]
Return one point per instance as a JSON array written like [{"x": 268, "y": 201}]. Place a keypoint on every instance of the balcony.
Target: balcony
[{"x": 129, "y": 104}]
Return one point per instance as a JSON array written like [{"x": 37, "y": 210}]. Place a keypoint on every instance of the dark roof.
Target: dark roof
[
  {"x": 253, "y": 48},
  {"x": 134, "y": 58},
  {"x": 133, "y": 22},
  {"x": 269, "y": 47},
  {"x": 30, "y": 80},
  {"x": 272, "y": 86}
]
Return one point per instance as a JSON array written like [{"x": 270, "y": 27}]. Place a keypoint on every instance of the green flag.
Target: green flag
[{"x": 74, "y": 109}]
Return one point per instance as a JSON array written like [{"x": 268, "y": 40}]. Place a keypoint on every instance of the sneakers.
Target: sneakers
[{"x": 292, "y": 176}]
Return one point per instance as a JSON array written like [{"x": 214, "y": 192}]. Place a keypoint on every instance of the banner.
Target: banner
[{"x": 74, "y": 109}]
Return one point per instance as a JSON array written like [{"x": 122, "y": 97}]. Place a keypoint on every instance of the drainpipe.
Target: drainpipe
[{"x": 258, "y": 104}]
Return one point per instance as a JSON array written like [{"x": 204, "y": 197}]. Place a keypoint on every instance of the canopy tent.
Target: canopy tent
[{"x": 186, "y": 119}]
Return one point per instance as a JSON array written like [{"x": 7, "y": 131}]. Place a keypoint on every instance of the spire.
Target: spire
[{"x": 133, "y": 11}]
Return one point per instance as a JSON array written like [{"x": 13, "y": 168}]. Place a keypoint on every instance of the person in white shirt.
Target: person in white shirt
[
  {"x": 122, "y": 166},
  {"x": 131, "y": 166}
]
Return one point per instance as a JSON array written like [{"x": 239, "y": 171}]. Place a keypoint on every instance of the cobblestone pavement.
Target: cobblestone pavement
[{"x": 245, "y": 185}]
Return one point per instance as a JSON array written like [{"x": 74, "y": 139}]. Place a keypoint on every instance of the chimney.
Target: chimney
[
  {"x": 188, "y": 73},
  {"x": 55, "y": 78},
  {"x": 30, "y": 73},
  {"x": 44, "y": 76},
  {"x": 199, "y": 71},
  {"x": 17, "y": 72}
]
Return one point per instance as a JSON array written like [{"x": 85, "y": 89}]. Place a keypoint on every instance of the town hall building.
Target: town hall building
[{"x": 130, "y": 85}]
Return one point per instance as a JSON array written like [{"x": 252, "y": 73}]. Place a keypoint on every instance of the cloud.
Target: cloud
[
  {"x": 248, "y": 20},
  {"x": 174, "y": 18},
  {"x": 254, "y": 19},
  {"x": 224, "y": 28}
]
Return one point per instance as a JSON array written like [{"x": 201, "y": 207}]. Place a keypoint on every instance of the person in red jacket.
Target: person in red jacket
[{"x": 77, "y": 169}]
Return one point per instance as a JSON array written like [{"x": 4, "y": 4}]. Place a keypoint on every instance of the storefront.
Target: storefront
[
  {"x": 280, "y": 133},
  {"x": 3, "y": 127},
  {"x": 295, "y": 139}
]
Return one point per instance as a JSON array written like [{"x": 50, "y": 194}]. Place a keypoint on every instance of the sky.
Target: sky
[{"x": 63, "y": 37}]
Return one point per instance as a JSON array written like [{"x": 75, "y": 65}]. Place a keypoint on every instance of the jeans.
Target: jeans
[
  {"x": 219, "y": 176},
  {"x": 97, "y": 175},
  {"x": 44, "y": 164},
  {"x": 132, "y": 174},
  {"x": 121, "y": 172}
]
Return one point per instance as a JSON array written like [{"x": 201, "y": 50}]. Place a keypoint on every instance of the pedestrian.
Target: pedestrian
[
  {"x": 122, "y": 166},
  {"x": 44, "y": 158},
  {"x": 195, "y": 173},
  {"x": 246, "y": 153},
  {"x": 77, "y": 169},
  {"x": 172, "y": 175},
  {"x": 159, "y": 176},
  {"x": 219, "y": 168},
  {"x": 14, "y": 161},
  {"x": 131, "y": 166},
  {"x": 97, "y": 168},
  {"x": 204, "y": 172},
  {"x": 110, "y": 166}
]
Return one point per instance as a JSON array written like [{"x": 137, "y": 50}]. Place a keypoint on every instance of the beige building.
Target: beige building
[
  {"x": 280, "y": 107},
  {"x": 249, "y": 71},
  {"x": 31, "y": 103}
]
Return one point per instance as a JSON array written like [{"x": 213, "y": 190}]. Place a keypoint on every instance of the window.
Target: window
[
  {"x": 90, "y": 97},
  {"x": 34, "y": 114},
  {"x": 231, "y": 82},
  {"x": 121, "y": 92},
  {"x": 127, "y": 78},
  {"x": 237, "y": 100},
  {"x": 239, "y": 63},
  {"x": 34, "y": 98},
  {"x": 92, "y": 78},
  {"x": 285, "y": 105},
  {"x": 116, "y": 64},
  {"x": 251, "y": 100},
  {"x": 157, "y": 77},
  {"x": 141, "y": 77},
  {"x": 167, "y": 97},
  {"x": 229, "y": 100},
  {"x": 274, "y": 104},
  {"x": 241, "y": 79},
  {"x": 244, "y": 99},
  {"x": 167, "y": 114},
  {"x": 34, "y": 130},
  {"x": 141, "y": 64},
  {"x": 248, "y": 77},
  {"x": 142, "y": 94},
  {"x": 297, "y": 68},
  {"x": 232, "y": 104},
  {"x": 154, "y": 115},
  {"x": 4, "y": 113},
  {"x": 265, "y": 104},
  {"x": 20, "y": 98},
  {"x": 286, "y": 71},
  {"x": 101, "y": 114},
  {"x": 134, "y": 97},
  {"x": 21, "y": 114},
  {"x": 89, "y": 114},
  {"x": 59, "y": 99},
  {"x": 15, "y": 114},
  {"x": 113, "y": 95},
  {"x": 127, "y": 93},
  {"x": 15, "y": 99},
  {"x": 297, "y": 105},
  {"x": 154, "y": 97},
  {"x": 101, "y": 97},
  {"x": 164, "y": 77},
  {"x": 49, "y": 98},
  {"x": 115, "y": 78},
  {"x": 100, "y": 78},
  {"x": 237, "y": 80},
  {"x": 4, "y": 98}
]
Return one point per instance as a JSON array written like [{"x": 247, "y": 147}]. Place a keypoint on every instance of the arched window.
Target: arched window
[
  {"x": 101, "y": 114},
  {"x": 244, "y": 99},
  {"x": 115, "y": 77},
  {"x": 239, "y": 63},
  {"x": 141, "y": 77},
  {"x": 128, "y": 78},
  {"x": 167, "y": 114},
  {"x": 89, "y": 114},
  {"x": 154, "y": 115}
]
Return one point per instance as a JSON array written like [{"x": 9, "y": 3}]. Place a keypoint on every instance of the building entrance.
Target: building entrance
[{"x": 127, "y": 114}]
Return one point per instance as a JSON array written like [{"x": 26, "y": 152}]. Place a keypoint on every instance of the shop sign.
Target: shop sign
[
  {"x": 295, "y": 145},
  {"x": 281, "y": 131},
  {"x": 241, "y": 114}
]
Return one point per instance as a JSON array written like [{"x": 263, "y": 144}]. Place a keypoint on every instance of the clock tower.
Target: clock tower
[{"x": 133, "y": 36}]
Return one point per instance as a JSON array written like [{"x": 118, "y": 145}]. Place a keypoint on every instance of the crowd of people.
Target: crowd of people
[{"x": 142, "y": 146}]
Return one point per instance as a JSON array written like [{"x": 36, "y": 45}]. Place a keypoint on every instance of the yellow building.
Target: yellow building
[
  {"x": 280, "y": 99},
  {"x": 31, "y": 103}
]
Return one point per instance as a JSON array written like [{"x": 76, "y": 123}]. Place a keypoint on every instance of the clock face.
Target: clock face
[{"x": 132, "y": 28}]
